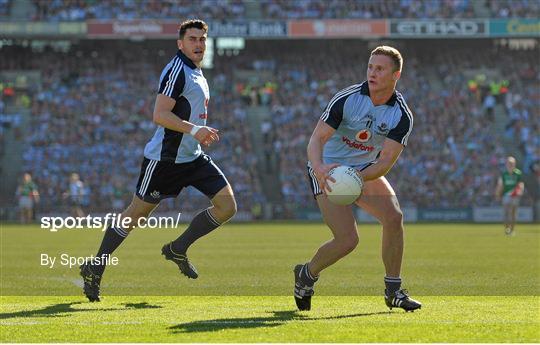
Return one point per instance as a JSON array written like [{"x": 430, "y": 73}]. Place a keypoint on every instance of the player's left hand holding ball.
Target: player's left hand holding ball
[{"x": 322, "y": 174}]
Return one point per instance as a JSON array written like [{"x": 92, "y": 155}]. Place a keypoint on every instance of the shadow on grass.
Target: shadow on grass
[
  {"x": 279, "y": 318},
  {"x": 65, "y": 309},
  {"x": 142, "y": 305}
]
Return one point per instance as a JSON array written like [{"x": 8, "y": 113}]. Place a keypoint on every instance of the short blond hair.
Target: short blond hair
[{"x": 392, "y": 53}]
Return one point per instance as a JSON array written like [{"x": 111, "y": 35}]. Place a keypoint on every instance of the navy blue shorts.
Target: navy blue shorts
[{"x": 162, "y": 180}]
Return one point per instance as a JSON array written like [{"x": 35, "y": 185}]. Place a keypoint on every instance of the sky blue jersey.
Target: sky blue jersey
[
  {"x": 184, "y": 82},
  {"x": 362, "y": 127}
]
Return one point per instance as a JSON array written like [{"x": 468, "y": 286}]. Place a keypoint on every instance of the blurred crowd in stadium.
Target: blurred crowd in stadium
[
  {"x": 75, "y": 10},
  {"x": 91, "y": 113}
]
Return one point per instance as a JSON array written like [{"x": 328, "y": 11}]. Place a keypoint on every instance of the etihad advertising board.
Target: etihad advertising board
[{"x": 438, "y": 28}]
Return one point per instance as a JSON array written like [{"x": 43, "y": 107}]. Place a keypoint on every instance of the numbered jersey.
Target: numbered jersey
[
  {"x": 362, "y": 127},
  {"x": 184, "y": 82}
]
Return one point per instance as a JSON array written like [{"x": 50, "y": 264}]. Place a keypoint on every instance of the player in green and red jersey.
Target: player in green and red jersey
[{"x": 510, "y": 188}]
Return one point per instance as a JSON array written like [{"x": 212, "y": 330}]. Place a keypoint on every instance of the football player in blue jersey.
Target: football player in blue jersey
[
  {"x": 365, "y": 126},
  {"x": 173, "y": 159}
]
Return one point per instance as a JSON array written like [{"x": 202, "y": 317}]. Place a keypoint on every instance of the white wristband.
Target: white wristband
[{"x": 194, "y": 130}]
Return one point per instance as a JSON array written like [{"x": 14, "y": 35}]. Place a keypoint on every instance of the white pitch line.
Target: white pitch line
[{"x": 76, "y": 282}]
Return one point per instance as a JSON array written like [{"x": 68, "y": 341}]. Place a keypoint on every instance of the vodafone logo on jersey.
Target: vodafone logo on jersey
[
  {"x": 356, "y": 145},
  {"x": 363, "y": 136}
]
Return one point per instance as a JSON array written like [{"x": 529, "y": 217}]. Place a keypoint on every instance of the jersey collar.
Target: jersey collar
[
  {"x": 364, "y": 90},
  {"x": 186, "y": 60}
]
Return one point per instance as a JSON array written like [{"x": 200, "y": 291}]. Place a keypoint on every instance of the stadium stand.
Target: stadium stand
[
  {"x": 68, "y": 10},
  {"x": 90, "y": 111},
  {"x": 5, "y": 5},
  {"x": 513, "y": 8},
  {"x": 91, "y": 114},
  {"x": 367, "y": 9},
  {"x": 78, "y": 10}
]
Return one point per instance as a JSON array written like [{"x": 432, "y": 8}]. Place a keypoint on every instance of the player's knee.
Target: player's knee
[
  {"x": 232, "y": 209},
  {"x": 135, "y": 214},
  {"x": 348, "y": 243},
  {"x": 394, "y": 219},
  {"x": 227, "y": 210}
]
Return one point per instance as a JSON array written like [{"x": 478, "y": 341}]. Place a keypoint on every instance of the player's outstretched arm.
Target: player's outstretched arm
[
  {"x": 389, "y": 155},
  {"x": 320, "y": 136},
  {"x": 164, "y": 117}
]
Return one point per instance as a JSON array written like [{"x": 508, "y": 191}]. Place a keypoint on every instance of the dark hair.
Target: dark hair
[
  {"x": 392, "y": 53},
  {"x": 192, "y": 23}
]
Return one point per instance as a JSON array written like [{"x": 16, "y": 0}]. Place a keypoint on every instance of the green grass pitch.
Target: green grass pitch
[{"x": 476, "y": 284}]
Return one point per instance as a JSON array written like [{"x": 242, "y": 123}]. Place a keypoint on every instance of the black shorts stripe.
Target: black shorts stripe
[
  {"x": 147, "y": 176},
  {"x": 314, "y": 184}
]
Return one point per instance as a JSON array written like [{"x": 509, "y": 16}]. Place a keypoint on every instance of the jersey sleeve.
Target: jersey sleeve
[
  {"x": 403, "y": 129},
  {"x": 519, "y": 176},
  {"x": 333, "y": 114},
  {"x": 173, "y": 81}
]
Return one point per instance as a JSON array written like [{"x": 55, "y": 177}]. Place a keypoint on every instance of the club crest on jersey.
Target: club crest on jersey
[
  {"x": 382, "y": 129},
  {"x": 363, "y": 136}
]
